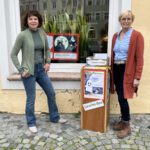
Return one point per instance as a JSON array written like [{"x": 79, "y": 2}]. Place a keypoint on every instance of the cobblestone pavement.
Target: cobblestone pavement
[{"x": 15, "y": 135}]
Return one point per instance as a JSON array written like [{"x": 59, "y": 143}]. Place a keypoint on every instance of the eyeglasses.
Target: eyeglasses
[{"x": 126, "y": 19}]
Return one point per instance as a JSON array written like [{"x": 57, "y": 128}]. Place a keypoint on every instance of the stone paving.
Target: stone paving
[{"x": 14, "y": 134}]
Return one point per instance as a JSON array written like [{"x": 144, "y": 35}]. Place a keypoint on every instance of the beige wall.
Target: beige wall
[
  {"x": 14, "y": 101},
  {"x": 142, "y": 23},
  {"x": 69, "y": 101}
]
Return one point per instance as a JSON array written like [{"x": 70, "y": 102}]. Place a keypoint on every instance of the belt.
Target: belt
[{"x": 118, "y": 62}]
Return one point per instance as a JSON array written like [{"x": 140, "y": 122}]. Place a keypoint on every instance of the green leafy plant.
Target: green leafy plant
[
  {"x": 62, "y": 23},
  {"x": 83, "y": 30}
]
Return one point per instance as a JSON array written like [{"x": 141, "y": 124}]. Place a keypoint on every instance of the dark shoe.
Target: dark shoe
[
  {"x": 118, "y": 126},
  {"x": 125, "y": 131}
]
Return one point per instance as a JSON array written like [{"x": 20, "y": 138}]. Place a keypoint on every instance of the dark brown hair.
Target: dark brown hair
[{"x": 32, "y": 13}]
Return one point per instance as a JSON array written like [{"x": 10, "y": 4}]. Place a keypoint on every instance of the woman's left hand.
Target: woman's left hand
[{"x": 47, "y": 67}]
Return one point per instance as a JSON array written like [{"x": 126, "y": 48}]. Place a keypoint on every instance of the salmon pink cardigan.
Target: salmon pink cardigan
[{"x": 134, "y": 63}]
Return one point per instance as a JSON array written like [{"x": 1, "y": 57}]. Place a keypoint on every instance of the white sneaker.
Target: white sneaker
[
  {"x": 33, "y": 129},
  {"x": 61, "y": 120}
]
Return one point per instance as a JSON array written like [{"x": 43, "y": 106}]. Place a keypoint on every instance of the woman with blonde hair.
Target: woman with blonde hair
[{"x": 126, "y": 66}]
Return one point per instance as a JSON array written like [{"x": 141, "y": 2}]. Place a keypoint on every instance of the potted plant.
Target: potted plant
[{"x": 61, "y": 23}]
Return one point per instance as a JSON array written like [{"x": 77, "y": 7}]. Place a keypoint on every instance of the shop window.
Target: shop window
[
  {"x": 85, "y": 22},
  {"x": 11, "y": 27}
]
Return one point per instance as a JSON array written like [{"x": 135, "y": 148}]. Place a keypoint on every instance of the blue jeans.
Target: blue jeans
[
  {"x": 30, "y": 87},
  {"x": 118, "y": 80}
]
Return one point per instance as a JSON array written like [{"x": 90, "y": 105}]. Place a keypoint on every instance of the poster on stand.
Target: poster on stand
[
  {"x": 63, "y": 46},
  {"x": 94, "y": 84}
]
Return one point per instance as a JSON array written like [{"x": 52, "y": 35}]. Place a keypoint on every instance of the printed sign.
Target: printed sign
[
  {"x": 93, "y": 105},
  {"x": 94, "y": 84}
]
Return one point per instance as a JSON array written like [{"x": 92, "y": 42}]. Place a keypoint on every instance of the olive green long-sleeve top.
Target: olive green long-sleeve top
[{"x": 25, "y": 43}]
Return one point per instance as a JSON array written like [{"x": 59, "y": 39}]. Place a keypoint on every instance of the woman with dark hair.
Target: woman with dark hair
[{"x": 34, "y": 66}]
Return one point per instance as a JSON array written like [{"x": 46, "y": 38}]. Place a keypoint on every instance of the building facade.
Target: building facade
[{"x": 12, "y": 96}]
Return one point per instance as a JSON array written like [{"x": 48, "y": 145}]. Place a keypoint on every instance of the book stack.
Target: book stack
[{"x": 98, "y": 59}]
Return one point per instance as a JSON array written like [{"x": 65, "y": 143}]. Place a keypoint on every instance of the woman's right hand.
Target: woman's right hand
[
  {"x": 25, "y": 74},
  {"x": 136, "y": 83}
]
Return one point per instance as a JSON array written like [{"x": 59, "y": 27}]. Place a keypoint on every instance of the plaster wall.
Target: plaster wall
[{"x": 69, "y": 100}]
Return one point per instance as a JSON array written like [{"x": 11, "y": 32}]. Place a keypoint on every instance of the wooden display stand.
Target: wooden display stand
[{"x": 95, "y": 98}]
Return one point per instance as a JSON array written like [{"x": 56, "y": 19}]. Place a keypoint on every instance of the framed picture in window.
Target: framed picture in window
[{"x": 64, "y": 46}]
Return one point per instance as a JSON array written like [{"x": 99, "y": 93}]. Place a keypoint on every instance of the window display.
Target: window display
[
  {"x": 63, "y": 46},
  {"x": 88, "y": 19}
]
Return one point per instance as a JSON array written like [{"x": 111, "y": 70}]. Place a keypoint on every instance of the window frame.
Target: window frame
[{"x": 10, "y": 27}]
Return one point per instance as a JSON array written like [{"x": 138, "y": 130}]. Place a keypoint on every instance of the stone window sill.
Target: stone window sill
[{"x": 55, "y": 76}]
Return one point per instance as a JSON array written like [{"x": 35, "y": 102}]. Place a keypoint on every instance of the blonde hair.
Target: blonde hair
[{"x": 125, "y": 13}]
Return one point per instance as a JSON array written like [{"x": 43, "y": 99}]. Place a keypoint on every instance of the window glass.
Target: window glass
[
  {"x": 34, "y": 7},
  {"x": 90, "y": 2},
  {"x": 44, "y": 5},
  {"x": 54, "y": 4},
  {"x": 97, "y": 2},
  {"x": 88, "y": 18},
  {"x": 74, "y": 3},
  {"x": 97, "y": 16},
  {"x": 92, "y": 33},
  {"x": 64, "y": 3}
]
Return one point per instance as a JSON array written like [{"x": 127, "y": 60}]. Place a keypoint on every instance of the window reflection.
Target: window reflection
[{"x": 94, "y": 14}]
